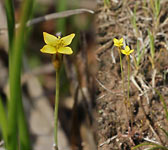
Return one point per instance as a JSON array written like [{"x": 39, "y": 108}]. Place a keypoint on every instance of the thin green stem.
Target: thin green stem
[
  {"x": 128, "y": 90},
  {"x": 121, "y": 67},
  {"x": 123, "y": 87},
  {"x": 128, "y": 77},
  {"x": 56, "y": 110}
]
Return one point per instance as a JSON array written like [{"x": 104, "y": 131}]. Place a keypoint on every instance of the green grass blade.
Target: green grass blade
[
  {"x": 160, "y": 147},
  {"x": 16, "y": 113},
  {"x": 152, "y": 45},
  {"x": 61, "y": 23},
  {"x": 144, "y": 3},
  {"x": 10, "y": 21},
  {"x": 25, "y": 143},
  {"x": 166, "y": 133},
  {"x": 144, "y": 144},
  {"x": 140, "y": 56},
  {"x": 163, "y": 102},
  {"x": 11, "y": 28},
  {"x": 24, "y": 137},
  {"x": 138, "y": 53},
  {"x": 133, "y": 19},
  {"x": 152, "y": 5},
  {"x": 107, "y": 3},
  {"x": 157, "y": 8},
  {"x": 3, "y": 122}
]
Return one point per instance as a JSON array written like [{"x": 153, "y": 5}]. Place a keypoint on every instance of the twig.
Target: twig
[
  {"x": 136, "y": 84},
  {"x": 108, "y": 140},
  {"x": 144, "y": 86},
  {"x": 53, "y": 16},
  {"x": 153, "y": 79},
  {"x": 148, "y": 121},
  {"x": 58, "y": 15},
  {"x": 104, "y": 47},
  {"x": 107, "y": 88},
  {"x": 100, "y": 97},
  {"x": 149, "y": 140},
  {"x": 112, "y": 55},
  {"x": 104, "y": 86}
]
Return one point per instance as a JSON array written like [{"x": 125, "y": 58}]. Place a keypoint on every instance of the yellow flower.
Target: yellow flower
[
  {"x": 127, "y": 51},
  {"x": 57, "y": 44},
  {"x": 117, "y": 42}
]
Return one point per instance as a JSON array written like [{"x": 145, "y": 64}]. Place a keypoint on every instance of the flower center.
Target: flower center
[{"x": 60, "y": 43}]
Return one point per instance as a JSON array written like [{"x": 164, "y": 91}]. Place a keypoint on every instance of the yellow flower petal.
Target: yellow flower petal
[
  {"x": 50, "y": 39},
  {"x": 65, "y": 50},
  {"x": 117, "y": 42},
  {"x": 127, "y": 48},
  {"x": 48, "y": 49},
  {"x": 124, "y": 52},
  {"x": 68, "y": 39},
  {"x": 131, "y": 51},
  {"x": 121, "y": 40}
]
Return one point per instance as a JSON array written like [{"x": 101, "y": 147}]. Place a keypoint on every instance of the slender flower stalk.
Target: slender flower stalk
[
  {"x": 128, "y": 59},
  {"x": 121, "y": 67},
  {"x": 56, "y": 109},
  {"x": 57, "y": 46},
  {"x": 128, "y": 89},
  {"x": 119, "y": 44},
  {"x": 127, "y": 52}
]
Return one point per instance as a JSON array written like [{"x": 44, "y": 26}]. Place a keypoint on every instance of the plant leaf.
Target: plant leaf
[{"x": 3, "y": 121}]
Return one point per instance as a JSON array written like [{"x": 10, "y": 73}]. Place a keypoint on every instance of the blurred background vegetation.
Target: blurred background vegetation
[{"x": 38, "y": 73}]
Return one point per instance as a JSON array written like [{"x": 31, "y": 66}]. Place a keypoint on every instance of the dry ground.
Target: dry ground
[{"x": 116, "y": 131}]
